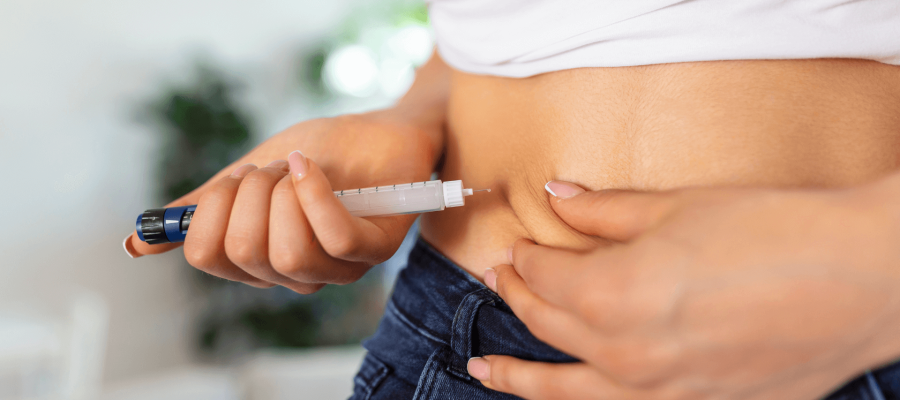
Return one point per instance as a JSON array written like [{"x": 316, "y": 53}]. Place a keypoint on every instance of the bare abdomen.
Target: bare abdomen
[{"x": 775, "y": 123}]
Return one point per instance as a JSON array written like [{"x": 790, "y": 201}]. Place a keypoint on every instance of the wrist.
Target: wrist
[{"x": 424, "y": 122}]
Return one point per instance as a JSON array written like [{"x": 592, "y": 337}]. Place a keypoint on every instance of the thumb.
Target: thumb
[{"x": 614, "y": 214}]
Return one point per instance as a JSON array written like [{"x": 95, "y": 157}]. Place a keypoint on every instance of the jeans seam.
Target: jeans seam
[
  {"x": 874, "y": 387},
  {"x": 461, "y": 329},
  {"x": 426, "y": 380},
  {"x": 390, "y": 307},
  {"x": 375, "y": 381}
]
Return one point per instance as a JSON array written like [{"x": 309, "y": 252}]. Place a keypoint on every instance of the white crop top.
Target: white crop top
[{"x": 519, "y": 38}]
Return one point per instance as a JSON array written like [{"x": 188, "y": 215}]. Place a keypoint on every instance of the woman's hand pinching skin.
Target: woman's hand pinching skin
[{"x": 707, "y": 294}]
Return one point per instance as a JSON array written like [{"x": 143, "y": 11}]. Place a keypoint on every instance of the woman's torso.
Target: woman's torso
[{"x": 789, "y": 123}]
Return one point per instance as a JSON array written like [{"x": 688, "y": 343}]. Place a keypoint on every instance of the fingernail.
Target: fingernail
[
  {"x": 479, "y": 368},
  {"x": 243, "y": 170},
  {"x": 280, "y": 164},
  {"x": 298, "y": 164},
  {"x": 129, "y": 249},
  {"x": 490, "y": 278},
  {"x": 563, "y": 190}
]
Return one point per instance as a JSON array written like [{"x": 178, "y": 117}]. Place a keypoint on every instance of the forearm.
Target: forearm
[{"x": 424, "y": 105}]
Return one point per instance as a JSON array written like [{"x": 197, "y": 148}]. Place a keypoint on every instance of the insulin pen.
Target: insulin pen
[{"x": 167, "y": 225}]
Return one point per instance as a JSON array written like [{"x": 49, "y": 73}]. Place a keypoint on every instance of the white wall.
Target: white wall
[{"x": 74, "y": 163}]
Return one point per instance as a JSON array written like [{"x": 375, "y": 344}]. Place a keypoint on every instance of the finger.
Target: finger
[
  {"x": 342, "y": 235},
  {"x": 204, "y": 246},
  {"x": 538, "y": 381},
  {"x": 594, "y": 286},
  {"x": 549, "y": 272},
  {"x": 294, "y": 251},
  {"x": 246, "y": 242},
  {"x": 135, "y": 247},
  {"x": 612, "y": 214},
  {"x": 554, "y": 325}
]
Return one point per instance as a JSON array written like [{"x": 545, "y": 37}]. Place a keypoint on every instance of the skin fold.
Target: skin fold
[
  {"x": 707, "y": 294},
  {"x": 790, "y": 124}
]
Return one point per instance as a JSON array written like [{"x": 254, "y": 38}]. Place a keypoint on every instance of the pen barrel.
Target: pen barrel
[
  {"x": 411, "y": 198},
  {"x": 170, "y": 225}
]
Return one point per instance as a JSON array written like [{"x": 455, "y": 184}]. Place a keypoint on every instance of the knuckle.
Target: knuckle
[
  {"x": 201, "y": 258},
  {"x": 241, "y": 252},
  {"x": 307, "y": 289},
  {"x": 341, "y": 245},
  {"x": 285, "y": 262},
  {"x": 602, "y": 309},
  {"x": 291, "y": 264},
  {"x": 640, "y": 364}
]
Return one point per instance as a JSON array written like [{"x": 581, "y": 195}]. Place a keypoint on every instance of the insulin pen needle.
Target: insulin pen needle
[{"x": 169, "y": 225}]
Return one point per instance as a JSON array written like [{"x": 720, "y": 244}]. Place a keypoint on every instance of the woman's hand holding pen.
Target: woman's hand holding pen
[
  {"x": 707, "y": 293},
  {"x": 282, "y": 225}
]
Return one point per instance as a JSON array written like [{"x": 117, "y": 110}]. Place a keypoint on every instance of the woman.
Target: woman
[{"x": 650, "y": 95}]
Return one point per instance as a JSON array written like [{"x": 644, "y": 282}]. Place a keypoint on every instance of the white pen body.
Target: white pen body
[{"x": 409, "y": 198}]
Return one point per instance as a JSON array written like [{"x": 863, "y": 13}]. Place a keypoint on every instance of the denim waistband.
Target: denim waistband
[
  {"x": 446, "y": 304},
  {"x": 438, "y": 317},
  {"x": 431, "y": 289}
]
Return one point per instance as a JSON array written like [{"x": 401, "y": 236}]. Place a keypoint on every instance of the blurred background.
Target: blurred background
[{"x": 111, "y": 107}]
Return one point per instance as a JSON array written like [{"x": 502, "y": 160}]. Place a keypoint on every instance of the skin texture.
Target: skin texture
[
  {"x": 789, "y": 123},
  {"x": 707, "y": 294}
]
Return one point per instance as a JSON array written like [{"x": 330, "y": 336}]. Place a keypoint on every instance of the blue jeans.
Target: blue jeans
[{"x": 439, "y": 316}]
